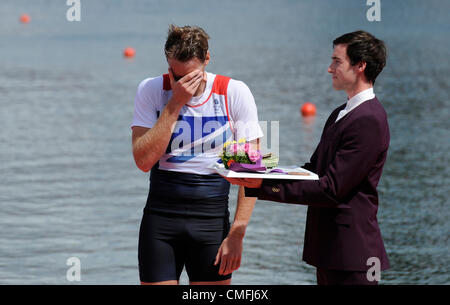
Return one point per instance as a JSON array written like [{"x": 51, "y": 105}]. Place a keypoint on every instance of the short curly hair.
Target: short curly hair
[
  {"x": 186, "y": 43},
  {"x": 364, "y": 47}
]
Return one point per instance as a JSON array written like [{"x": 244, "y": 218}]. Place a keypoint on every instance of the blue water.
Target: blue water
[{"x": 68, "y": 183}]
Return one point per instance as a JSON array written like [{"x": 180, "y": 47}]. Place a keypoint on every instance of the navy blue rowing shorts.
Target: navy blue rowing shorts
[{"x": 169, "y": 242}]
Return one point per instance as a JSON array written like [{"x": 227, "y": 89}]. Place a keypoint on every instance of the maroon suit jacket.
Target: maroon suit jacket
[{"x": 342, "y": 230}]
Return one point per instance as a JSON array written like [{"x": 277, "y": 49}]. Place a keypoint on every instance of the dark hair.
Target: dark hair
[
  {"x": 186, "y": 43},
  {"x": 364, "y": 47}
]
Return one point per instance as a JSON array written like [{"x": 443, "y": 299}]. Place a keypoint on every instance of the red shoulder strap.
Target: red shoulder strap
[
  {"x": 220, "y": 84},
  {"x": 220, "y": 87},
  {"x": 166, "y": 82}
]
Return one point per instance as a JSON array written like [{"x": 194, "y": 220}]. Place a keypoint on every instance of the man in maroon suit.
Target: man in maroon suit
[{"x": 342, "y": 236}]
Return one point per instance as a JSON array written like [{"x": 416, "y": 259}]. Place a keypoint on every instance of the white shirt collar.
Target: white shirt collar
[
  {"x": 355, "y": 101},
  {"x": 359, "y": 98}
]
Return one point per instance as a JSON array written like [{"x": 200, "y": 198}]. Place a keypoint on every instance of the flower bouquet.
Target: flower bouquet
[{"x": 241, "y": 157}]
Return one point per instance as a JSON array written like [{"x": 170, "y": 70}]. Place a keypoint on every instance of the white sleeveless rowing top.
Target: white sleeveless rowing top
[{"x": 225, "y": 111}]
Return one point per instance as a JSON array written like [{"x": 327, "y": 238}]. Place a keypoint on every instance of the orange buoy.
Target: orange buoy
[
  {"x": 25, "y": 18},
  {"x": 308, "y": 109},
  {"x": 129, "y": 52}
]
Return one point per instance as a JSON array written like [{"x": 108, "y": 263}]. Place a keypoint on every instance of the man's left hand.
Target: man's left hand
[
  {"x": 229, "y": 255},
  {"x": 247, "y": 182}
]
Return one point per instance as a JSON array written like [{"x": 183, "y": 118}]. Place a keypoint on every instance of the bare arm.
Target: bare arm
[
  {"x": 230, "y": 252},
  {"x": 149, "y": 144},
  {"x": 244, "y": 209}
]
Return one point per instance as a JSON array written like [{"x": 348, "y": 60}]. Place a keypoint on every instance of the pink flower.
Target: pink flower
[
  {"x": 234, "y": 149},
  {"x": 246, "y": 147},
  {"x": 254, "y": 155},
  {"x": 241, "y": 150}
]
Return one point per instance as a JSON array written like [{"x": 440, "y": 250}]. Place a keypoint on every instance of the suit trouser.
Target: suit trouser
[{"x": 342, "y": 277}]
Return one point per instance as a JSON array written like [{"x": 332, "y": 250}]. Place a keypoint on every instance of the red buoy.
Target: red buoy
[
  {"x": 129, "y": 52},
  {"x": 25, "y": 18},
  {"x": 308, "y": 109}
]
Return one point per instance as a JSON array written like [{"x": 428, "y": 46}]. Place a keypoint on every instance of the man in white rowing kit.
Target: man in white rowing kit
[{"x": 181, "y": 120}]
